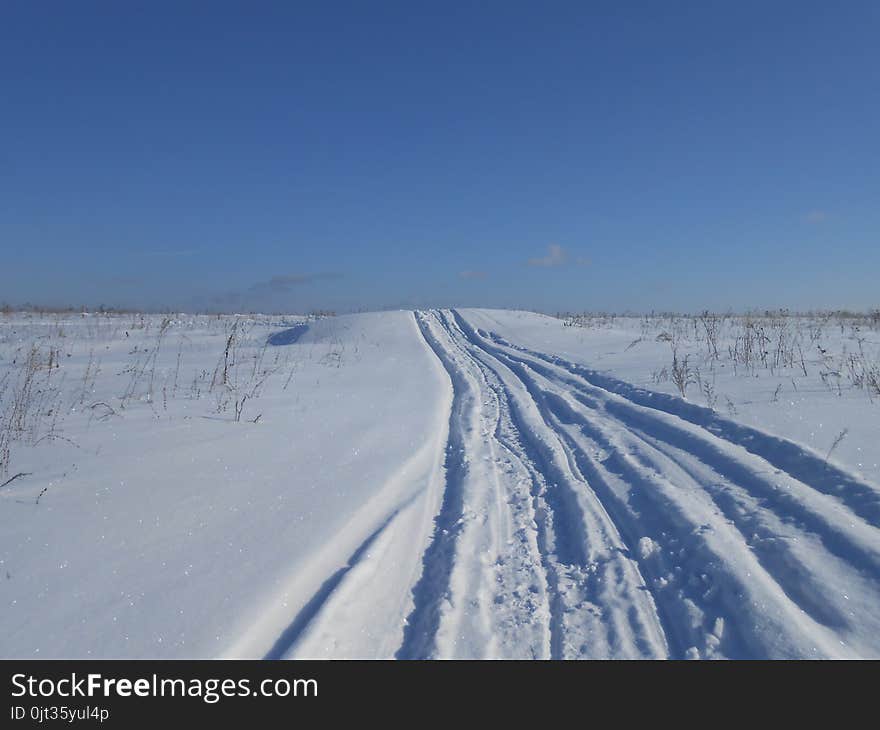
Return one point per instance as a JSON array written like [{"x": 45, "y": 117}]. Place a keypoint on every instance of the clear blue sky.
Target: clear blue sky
[{"x": 549, "y": 155}]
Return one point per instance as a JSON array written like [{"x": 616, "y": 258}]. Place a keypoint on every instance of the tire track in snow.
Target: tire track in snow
[
  {"x": 514, "y": 599},
  {"x": 598, "y": 603},
  {"x": 861, "y": 498},
  {"x": 843, "y": 533},
  {"x": 419, "y": 634},
  {"x": 482, "y": 590},
  {"x": 506, "y": 436},
  {"x": 663, "y": 476},
  {"x": 592, "y": 559},
  {"x": 692, "y": 590}
]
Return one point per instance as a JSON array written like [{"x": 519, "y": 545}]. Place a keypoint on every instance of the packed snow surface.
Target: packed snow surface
[{"x": 437, "y": 484}]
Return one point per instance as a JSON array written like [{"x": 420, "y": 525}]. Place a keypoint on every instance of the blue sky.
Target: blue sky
[{"x": 346, "y": 155}]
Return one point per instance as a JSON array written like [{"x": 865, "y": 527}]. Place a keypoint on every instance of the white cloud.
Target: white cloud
[
  {"x": 286, "y": 282},
  {"x": 558, "y": 256},
  {"x": 470, "y": 274}
]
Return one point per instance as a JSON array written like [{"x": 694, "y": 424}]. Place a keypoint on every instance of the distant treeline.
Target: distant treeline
[
  {"x": 872, "y": 313},
  {"x": 6, "y": 309}
]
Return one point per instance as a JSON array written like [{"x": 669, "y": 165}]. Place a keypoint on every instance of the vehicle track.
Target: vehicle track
[{"x": 640, "y": 526}]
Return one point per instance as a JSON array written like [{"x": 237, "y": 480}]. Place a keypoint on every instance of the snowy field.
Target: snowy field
[{"x": 468, "y": 483}]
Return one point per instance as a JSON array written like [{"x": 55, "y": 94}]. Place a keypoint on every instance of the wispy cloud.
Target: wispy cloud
[
  {"x": 268, "y": 295},
  {"x": 470, "y": 274},
  {"x": 816, "y": 216},
  {"x": 286, "y": 282},
  {"x": 558, "y": 256}
]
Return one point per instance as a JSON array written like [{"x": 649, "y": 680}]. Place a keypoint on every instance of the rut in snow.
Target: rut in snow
[
  {"x": 584, "y": 517},
  {"x": 423, "y": 621}
]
